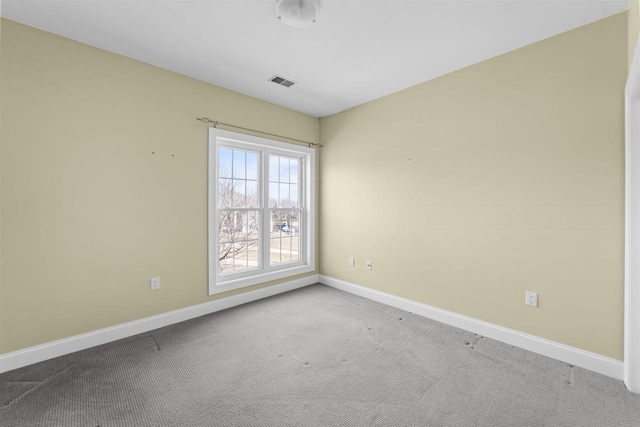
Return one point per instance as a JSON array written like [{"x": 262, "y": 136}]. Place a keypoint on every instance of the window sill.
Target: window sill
[{"x": 229, "y": 285}]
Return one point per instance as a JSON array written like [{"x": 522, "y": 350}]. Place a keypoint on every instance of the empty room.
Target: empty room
[{"x": 319, "y": 213}]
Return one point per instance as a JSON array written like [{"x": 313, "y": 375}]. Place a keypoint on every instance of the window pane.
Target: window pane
[
  {"x": 239, "y": 238},
  {"x": 226, "y": 263},
  {"x": 293, "y": 171},
  {"x": 242, "y": 189},
  {"x": 239, "y": 256},
  {"x": 284, "y": 236},
  {"x": 294, "y": 222},
  {"x": 273, "y": 168},
  {"x": 240, "y": 226},
  {"x": 295, "y": 248},
  {"x": 224, "y": 162},
  {"x": 273, "y": 195},
  {"x": 252, "y": 255},
  {"x": 275, "y": 252},
  {"x": 238, "y": 200},
  {"x": 239, "y": 159},
  {"x": 276, "y": 223},
  {"x": 284, "y": 169},
  {"x": 253, "y": 225},
  {"x": 225, "y": 228},
  {"x": 253, "y": 201},
  {"x": 284, "y": 222},
  {"x": 293, "y": 196},
  {"x": 225, "y": 193},
  {"x": 284, "y": 196},
  {"x": 252, "y": 165},
  {"x": 290, "y": 254}
]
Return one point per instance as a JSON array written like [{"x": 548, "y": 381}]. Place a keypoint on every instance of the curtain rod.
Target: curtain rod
[{"x": 216, "y": 123}]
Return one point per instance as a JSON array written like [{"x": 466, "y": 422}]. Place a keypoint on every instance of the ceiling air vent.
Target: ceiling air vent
[{"x": 282, "y": 81}]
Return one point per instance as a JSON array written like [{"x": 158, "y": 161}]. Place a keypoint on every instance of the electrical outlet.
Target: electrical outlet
[
  {"x": 352, "y": 261},
  {"x": 155, "y": 283},
  {"x": 369, "y": 265},
  {"x": 531, "y": 299}
]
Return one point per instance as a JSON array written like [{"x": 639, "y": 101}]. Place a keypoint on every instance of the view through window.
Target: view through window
[{"x": 262, "y": 215}]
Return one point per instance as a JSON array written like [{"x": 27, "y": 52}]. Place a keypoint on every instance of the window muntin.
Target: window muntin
[{"x": 261, "y": 217}]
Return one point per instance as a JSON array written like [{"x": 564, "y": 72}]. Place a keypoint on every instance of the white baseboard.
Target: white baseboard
[
  {"x": 39, "y": 353},
  {"x": 574, "y": 356},
  {"x": 591, "y": 361}
]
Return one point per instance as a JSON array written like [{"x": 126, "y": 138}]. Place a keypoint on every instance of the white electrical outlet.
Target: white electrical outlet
[
  {"x": 155, "y": 283},
  {"x": 352, "y": 261},
  {"x": 531, "y": 299},
  {"x": 369, "y": 265}
]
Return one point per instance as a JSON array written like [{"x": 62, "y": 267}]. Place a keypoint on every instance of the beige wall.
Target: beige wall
[
  {"x": 89, "y": 214},
  {"x": 634, "y": 27},
  {"x": 503, "y": 177},
  {"x": 464, "y": 191}
]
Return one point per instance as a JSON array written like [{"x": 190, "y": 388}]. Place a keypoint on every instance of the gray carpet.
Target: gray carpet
[{"x": 311, "y": 357}]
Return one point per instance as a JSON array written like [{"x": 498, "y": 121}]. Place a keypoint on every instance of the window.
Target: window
[{"x": 261, "y": 210}]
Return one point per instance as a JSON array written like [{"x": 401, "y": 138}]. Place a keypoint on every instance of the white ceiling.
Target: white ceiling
[{"x": 357, "y": 51}]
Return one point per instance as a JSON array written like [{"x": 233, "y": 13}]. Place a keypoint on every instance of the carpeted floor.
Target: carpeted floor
[{"x": 312, "y": 357}]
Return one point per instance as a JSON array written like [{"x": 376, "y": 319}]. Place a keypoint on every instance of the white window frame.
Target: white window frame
[
  {"x": 221, "y": 138},
  {"x": 631, "y": 371}
]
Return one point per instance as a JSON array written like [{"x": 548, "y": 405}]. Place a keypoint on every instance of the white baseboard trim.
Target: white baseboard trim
[
  {"x": 574, "y": 356},
  {"x": 39, "y": 353}
]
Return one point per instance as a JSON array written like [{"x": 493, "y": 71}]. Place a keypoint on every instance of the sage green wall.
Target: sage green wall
[
  {"x": 502, "y": 177},
  {"x": 88, "y": 213}
]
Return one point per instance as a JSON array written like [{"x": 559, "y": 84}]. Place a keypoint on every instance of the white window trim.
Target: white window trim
[
  {"x": 632, "y": 227},
  {"x": 217, "y": 284}
]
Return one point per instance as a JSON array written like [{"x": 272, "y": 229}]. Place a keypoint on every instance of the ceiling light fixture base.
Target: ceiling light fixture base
[{"x": 297, "y": 13}]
